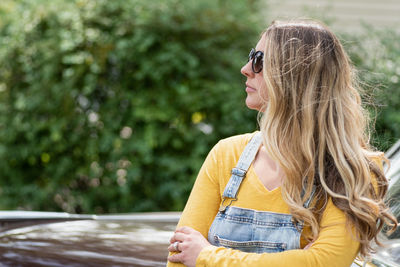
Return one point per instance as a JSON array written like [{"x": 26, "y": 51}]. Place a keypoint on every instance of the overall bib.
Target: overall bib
[{"x": 251, "y": 230}]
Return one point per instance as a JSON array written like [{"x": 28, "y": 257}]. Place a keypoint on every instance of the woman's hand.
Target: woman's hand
[{"x": 189, "y": 244}]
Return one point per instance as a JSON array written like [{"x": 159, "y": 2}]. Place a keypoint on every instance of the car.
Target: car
[
  {"x": 389, "y": 255},
  {"x": 60, "y": 239}
]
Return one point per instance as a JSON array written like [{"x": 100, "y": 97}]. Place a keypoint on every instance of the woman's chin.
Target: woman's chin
[{"x": 252, "y": 104}]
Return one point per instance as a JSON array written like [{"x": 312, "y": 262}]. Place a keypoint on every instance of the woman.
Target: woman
[{"x": 307, "y": 189}]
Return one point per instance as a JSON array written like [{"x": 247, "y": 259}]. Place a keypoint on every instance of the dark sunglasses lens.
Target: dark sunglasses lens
[{"x": 257, "y": 62}]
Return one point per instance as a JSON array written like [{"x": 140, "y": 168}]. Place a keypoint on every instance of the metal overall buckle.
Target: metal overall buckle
[{"x": 223, "y": 207}]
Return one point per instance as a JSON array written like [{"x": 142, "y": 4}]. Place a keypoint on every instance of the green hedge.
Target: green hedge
[
  {"x": 111, "y": 106},
  {"x": 376, "y": 53}
]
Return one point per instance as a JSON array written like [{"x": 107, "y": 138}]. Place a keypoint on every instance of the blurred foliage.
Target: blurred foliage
[
  {"x": 112, "y": 106},
  {"x": 376, "y": 54}
]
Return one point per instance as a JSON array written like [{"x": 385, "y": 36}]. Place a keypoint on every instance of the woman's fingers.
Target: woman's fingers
[
  {"x": 171, "y": 248},
  {"x": 175, "y": 247},
  {"x": 177, "y": 237},
  {"x": 185, "y": 230},
  {"x": 176, "y": 257},
  {"x": 181, "y": 233},
  {"x": 188, "y": 243}
]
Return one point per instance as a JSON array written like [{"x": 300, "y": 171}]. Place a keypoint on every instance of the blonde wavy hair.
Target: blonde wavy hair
[{"x": 315, "y": 127}]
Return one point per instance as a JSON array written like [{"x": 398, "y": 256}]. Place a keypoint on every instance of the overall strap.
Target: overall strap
[{"x": 239, "y": 172}]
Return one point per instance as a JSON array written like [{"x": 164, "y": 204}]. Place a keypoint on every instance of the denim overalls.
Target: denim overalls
[{"x": 250, "y": 230}]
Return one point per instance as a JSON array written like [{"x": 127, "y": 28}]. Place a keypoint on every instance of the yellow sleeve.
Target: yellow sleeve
[
  {"x": 204, "y": 200},
  {"x": 335, "y": 246}
]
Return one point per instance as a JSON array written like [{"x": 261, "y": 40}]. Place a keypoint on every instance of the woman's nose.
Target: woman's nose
[{"x": 246, "y": 69}]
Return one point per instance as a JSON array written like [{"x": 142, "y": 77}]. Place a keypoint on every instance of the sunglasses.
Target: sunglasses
[{"x": 257, "y": 58}]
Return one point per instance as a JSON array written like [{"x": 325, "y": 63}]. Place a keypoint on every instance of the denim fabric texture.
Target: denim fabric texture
[
  {"x": 250, "y": 230},
  {"x": 254, "y": 231}
]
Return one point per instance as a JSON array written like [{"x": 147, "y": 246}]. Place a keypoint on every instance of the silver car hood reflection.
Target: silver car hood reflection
[{"x": 118, "y": 240}]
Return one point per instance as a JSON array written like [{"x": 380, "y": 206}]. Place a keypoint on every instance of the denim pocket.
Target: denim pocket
[{"x": 251, "y": 246}]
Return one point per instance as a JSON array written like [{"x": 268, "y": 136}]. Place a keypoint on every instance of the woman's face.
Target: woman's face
[{"x": 255, "y": 83}]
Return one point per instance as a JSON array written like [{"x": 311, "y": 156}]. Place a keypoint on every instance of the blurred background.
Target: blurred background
[{"x": 112, "y": 106}]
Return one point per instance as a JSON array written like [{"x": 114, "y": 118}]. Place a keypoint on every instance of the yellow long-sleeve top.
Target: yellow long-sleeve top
[{"x": 335, "y": 246}]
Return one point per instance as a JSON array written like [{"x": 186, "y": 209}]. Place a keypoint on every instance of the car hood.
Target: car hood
[
  {"x": 388, "y": 255},
  {"x": 103, "y": 241}
]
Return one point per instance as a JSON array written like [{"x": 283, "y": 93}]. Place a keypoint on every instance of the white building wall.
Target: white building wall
[{"x": 342, "y": 15}]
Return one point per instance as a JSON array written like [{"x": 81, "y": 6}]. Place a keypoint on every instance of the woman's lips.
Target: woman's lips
[{"x": 250, "y": 89}]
